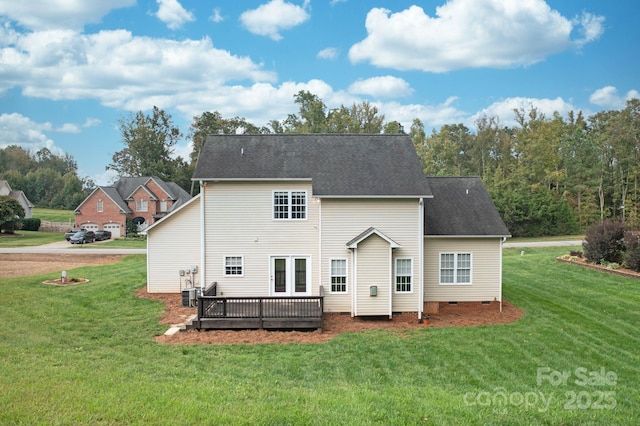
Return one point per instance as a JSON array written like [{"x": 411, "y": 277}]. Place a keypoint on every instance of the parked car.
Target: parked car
[
  {"x": 82, "y": 237},
  {"x": 71, "y": 232},
  {"x": 103, "y": 235}
]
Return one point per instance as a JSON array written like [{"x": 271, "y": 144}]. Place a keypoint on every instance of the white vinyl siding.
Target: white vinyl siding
[
  {"x": 173, "y": 245},
  {"x": 239, "y": 221},
  {"x": 344, "y": 219},
  {"x": 484, "y": 269},
  {"x": 374, "y": 269}
]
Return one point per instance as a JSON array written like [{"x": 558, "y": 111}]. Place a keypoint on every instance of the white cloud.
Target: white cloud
[
  {"x": 590, "y": 26},
  {"x": 504, "y": 109},
  {"x": 271, "y": 18},
  {"x": 49, "y": 14},
  {"x": 173, "y": 14},
  {"x": 217, "y": 16},
  {"x": 68, "y": 128},
  {"x": 328, "y": 53},
  {"x": 383, "y": 87},
  {"x": 608, "y": 97},
  {"x": 16, "y": 129},
  {"x": 431, "y": 116},
  {"x": 118, "y": 69},
  {"x": 470, "y": 34}
]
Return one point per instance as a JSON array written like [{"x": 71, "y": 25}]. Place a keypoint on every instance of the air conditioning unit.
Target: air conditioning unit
[{"x": 190, "y": 297}]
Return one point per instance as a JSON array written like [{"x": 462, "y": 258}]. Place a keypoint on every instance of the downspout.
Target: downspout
[
  {"x": 203, "y": 280},
  {"x": 421, "y": 258},
  {"x": 320, "y": 258},
  {"x": 500, "y": 274}
]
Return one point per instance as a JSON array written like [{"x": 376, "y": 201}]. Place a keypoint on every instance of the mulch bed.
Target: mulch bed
[
  {"x": 460, "y": 315},
  {"x": 581, "y": 261}
]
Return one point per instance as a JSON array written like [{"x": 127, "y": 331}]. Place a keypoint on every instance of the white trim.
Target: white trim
[
  {"x": 420, "y": 258},
  {"x": 455, "y": 268},
  {"x": 467, "y": 236},
  {"x": 319, "y": 248},
  {"x": 395, "y": 275},
  {"x": 224, "y": 266},
  {"x": 203, "y": 240},
  {"x": 354, "y": 279},
  {"x": 290, "y": 269},
  {"x": 391, "y": 282},
  {"x": 290, "y": 193},
  {"x": 360, "y": 238},
  {"x": 171, "y": 213},
  {"x": 346, "y": 276}
]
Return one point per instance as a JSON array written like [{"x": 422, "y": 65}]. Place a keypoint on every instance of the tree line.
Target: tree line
[
  {"x": 48, "y": 180},
  {"x": 546, "y": 175}
]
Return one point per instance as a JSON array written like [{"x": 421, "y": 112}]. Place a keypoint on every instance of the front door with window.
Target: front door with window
[{"x": 290, "y": 275}]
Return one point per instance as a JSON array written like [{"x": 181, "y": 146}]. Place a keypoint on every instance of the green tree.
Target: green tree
[
  {"x": 10, "y": 214},
  {"x": 149, "y": 142}
]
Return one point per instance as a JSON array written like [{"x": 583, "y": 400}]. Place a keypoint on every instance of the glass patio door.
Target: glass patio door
[{"x": 290, "y": 275}]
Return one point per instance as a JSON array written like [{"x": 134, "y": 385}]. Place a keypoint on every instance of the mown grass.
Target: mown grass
[
  {"x": 52, "y": 215},
  {"x": 29, "y": 238},
  {"x": 85, "y": 355}
]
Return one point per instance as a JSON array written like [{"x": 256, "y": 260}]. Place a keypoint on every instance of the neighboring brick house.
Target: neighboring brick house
[{"x": 145, "y": 200}]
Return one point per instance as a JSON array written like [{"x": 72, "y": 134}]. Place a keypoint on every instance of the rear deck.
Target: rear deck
[{"x": 276, "y": 313}]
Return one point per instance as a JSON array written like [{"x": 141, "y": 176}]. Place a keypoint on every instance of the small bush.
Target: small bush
[
  {"x": 632, "y": 253},
  {"x": 30, "y": 224},
  {"x": 604, "y": 242}
]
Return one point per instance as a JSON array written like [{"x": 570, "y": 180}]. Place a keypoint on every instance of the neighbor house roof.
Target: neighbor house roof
[
  {"x": 338, "y": 165},
  {"x": 123, "y": 189},
  {"x": 461, "y": 206}
]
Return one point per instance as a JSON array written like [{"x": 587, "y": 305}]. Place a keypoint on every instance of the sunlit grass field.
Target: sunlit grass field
[{"x": 86, "y": 355}]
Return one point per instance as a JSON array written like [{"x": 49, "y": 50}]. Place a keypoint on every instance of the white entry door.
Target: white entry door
[{"x": 290, "y": 275}]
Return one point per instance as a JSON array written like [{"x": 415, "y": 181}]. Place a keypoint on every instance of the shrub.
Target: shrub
[
  {"x": 604, "y": 242},
  {"x": 30, "y": 224},
  {"x": 632, "y": 253}
]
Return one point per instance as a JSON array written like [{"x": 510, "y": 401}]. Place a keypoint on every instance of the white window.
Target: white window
[
  {"x": 338, "y": 274},
  {"x": 163, "y": 206},
  {"x": 455, "y": 268},
  {"x": 404, "y": 275},
  {"x": 233, "y": 266},
  {"x": 289, "y": 205},
  {"x": 99, "y": 206},
  {"x": 142, "y": 205}
]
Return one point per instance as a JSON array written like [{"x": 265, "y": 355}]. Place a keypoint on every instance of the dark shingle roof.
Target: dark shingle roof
[
  {"x": 123, "y": 188},
  {"x": 338, "y": 165},
  {"x": 461, "y": 206}
]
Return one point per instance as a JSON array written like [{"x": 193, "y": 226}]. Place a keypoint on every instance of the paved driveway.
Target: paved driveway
[
  {"x": 64, "y": 247},
  {"x": 543, "y": 244}
]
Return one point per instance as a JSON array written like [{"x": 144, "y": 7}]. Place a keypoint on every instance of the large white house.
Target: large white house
[{"x": 350, "y": 217}]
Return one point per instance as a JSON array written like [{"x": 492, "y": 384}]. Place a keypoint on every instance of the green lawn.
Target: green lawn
[
  {"x": 52, "y": 215},
  {"x": 29, "y": 238},
  {"x": 85, "y": 355}
]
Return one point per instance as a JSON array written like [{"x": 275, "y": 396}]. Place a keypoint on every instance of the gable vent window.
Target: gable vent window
[
  {"x": 289, "y": 205},
  {"x": 99, "y": 206}
]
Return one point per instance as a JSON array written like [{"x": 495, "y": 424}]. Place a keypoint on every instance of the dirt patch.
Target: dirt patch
[
  {"x": 462, "y": 314},
  {"x": 23, "y": 264}
]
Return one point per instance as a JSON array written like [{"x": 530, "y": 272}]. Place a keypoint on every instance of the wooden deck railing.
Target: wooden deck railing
[{"x": 259, "y": 312}]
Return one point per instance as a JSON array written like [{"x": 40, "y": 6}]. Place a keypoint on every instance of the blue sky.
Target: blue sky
[{"x": 69, "y": 69}]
